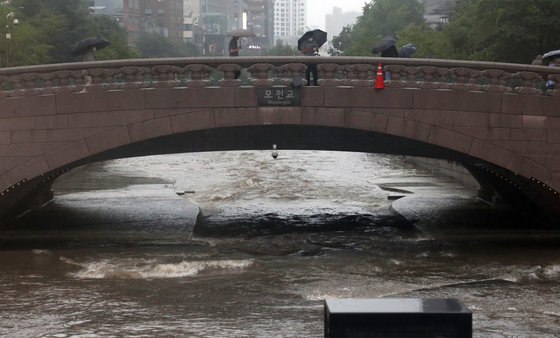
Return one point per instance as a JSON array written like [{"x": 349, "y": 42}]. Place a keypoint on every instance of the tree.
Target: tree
[
  {"x": 380, "y": 18},
  {"x": 495, "y": 30},
  {"x": 151, "y": 45},
  {"x": 514, "y": 30},
  {"x": 342, "y": 41},
  {"x": 49, "y": 29},
  {"x": 107, "y": 27},
  {"x": 431, "y": 42}
]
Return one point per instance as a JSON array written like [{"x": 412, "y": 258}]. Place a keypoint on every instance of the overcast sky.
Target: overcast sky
[{"x": 318, "y": 9}]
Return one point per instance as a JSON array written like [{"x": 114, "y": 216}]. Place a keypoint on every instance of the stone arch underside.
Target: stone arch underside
[{"x": 524, "y": 193}]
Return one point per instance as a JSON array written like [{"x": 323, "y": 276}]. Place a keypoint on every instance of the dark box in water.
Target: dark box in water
[{"x": 397, "y": 317}]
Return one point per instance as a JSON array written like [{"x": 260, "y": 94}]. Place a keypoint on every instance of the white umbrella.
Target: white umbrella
[
  {"x": 240, "y": 32},
  {"x": 551, "y": 54}
]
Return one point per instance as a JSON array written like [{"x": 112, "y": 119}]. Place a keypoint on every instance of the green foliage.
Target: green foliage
[
  {"x": 342, "y": 41},
  {"x": 431, "y": 42},
  {"x": 282, "y": 49},
  {"x": 491, "y": 30},
  {"x": 151, "y": 45},
  {"x": 380, "y": 18},
  {"x": 49, "y": 29},
  {"x": 508, "y": 30}
]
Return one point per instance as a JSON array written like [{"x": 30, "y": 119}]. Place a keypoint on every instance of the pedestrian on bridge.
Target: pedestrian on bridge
[
  {"x": 553, "y": 63},
  {"x": 310, "y": 47},
  {"x": 234, "y": 51}
]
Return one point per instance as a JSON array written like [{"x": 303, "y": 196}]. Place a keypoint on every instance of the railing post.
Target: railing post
[
  {"x": 200, "y": 75},
  {"x": 528, "y": 83},
  {"x": 229, "y": 70},
  {"x": 259, "y": 74},
  {"x": 363, "y": 75},
  {"x": 465, "y": 79},
  {"x": 428, "y": 77},
  {"x": 327, "y": 78},
  {"x": 133, "y": 77},
  {"x": 290, "y": 70},
  {"x": 165, "y": 76},
  {"x": 395, "y": 76},
  {"x": 496, "y": 81}
]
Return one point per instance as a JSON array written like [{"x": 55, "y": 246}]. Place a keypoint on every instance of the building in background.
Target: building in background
[
  {"x": 260, "y": 21},
  {"x": 337, "y": 20},
  {"x": 204, "y": 23},
  {"x": 289, "y": 20},
  {"x": 163, "y": 17},
  {"x": 222, "y": 16},
  {"x": 192, "y": 22},
  {"x": 437, "y": 11},
  {"x": 107, "y": 7}
]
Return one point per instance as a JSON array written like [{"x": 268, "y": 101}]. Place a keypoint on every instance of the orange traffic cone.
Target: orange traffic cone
[{"x": 379, "y": 79}]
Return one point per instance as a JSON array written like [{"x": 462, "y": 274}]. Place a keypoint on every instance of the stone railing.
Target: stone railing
[{"x": 271, "y": 71}]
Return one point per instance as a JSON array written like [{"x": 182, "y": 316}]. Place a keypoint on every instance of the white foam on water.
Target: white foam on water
[
  {"x": 143, "y": 269},
  {"x": 41, "y": 252},
  {"x": 552, "y": 271}
]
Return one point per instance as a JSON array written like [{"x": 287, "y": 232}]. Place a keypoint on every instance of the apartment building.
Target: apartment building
[{"x": 289, "y": 20}]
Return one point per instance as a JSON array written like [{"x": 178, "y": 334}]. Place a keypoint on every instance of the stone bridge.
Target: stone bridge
[{"x": 495, "y": 119}]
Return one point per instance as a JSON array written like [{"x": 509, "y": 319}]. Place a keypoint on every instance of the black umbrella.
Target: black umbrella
[
  {"x": 83, "y": 46},
  {"x": 319, "y": 37},
  {"x": 384, "y": 44},
  {"x": 407, "y": 50}
]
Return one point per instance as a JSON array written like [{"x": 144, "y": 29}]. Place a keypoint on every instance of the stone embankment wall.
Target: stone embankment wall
[{"x": 447, "y": 168}]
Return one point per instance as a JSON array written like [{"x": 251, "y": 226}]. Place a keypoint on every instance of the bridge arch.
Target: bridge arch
[{"x": 507, "y": 137}]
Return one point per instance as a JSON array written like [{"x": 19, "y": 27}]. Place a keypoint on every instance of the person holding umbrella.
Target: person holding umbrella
[
  {"x": 87, "y": 47},
  {"x": 309, "y": 47},
  {"x": 553, "y": 60},
  {"x": 89, "y": 55},
  {"x": 234, "y": 51}
]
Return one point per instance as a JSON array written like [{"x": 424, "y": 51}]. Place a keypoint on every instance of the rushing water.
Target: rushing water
[{"x": 115, "y": 254}]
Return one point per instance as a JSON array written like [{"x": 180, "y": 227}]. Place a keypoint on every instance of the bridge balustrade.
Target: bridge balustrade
[{"x": 270, "y": 71}]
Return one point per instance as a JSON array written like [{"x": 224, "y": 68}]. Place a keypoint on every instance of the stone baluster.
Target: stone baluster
[
  {"x": 410, "y": 73},
  {"x": 199, "y": 74},
  {"x": 443, "y": 78},
  {"x": 96, "y": 79},
  {"x": 165, "y": 76},
  {"x": 47, "y": 86},
  {"x": 528, "y": 83},
  {"x": 76, "y": 79},
  {"x": 3, "y": 83},
  {"x": 429, "y": 77},
  {"x": 229, "y": 70},
  {"x": 29, "y": 85},
  {"x": 293, "y": 69},
  {"x": 363, "y": 74},
  {"x": 259, "y": 74},
  {"x": 496, "y": 81},
  {"x": 465, "y": 79},
  {"x": 29, "y": 80},
  {"x": 395, "y": 72},
  {"x": 134, "y": 77},
  {"x": 111, "y": 82},
  {"x": 15, "y": 82},
  {"x": 327, "y": 78},
  {"x": 349, "y": 75}
]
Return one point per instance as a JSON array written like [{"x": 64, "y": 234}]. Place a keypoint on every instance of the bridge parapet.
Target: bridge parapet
[{"x": 268, "y": 71}]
